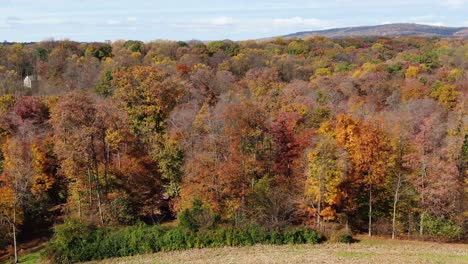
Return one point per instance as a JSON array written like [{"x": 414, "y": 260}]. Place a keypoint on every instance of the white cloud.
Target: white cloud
[
  {"x": 208, "y": 24},
  {"x": 225, "y": 27},
  {"x": 131, "y": 19},
  {"x": 422, "y": 18},
  {"x": 112, "y": 22},
  {"x": 222, "y": 21},
  {"x": 4, "y": 24},
  {"x": 13, "y": 19},
  {"x": 454, "y": 3},
  {"x": 431, "y": 20},
  {"x": 435, "y": 23},
  {"x": 39, "y": 20},
  {"x": 299, "y": 21}
]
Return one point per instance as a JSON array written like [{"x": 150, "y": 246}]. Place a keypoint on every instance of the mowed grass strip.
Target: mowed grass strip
[{"x": 372, "y": 250}]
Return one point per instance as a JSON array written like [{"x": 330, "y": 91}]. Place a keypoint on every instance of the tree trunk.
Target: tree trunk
[
  {"x": 395, "y": 202},
  {"x": 98, "y": 195},
  {"x": 90, "y": 195},
  {"x": 370, "y": 210},
  {"x": 79, "y": 207},
  {"x": 423, "y": 187},
  {"x": 106, "y": 164},
  {"x": 118, "y": 159},
  {"x": 410, "y": 225},
  {"x": 14, "y": 234},
  {"x": 96, "y": 178},
  {"x": 100, "y": 207},
  {"x": 421, "y": 223},
  {"x": 319, "y": 206}
]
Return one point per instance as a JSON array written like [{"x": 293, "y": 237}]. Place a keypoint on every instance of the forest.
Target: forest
[{"x": 360, "y": 134}]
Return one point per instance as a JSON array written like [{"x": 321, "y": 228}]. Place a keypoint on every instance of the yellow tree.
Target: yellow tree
[
  {"x": 326, "y": 165},
  {"x": 367, "y": 149},
  {"x": 15, "y": 184},
  {"x": 43, "y": 180},
  {"x": 446, "y": 94},
  {"x": 399, "y": 145}
]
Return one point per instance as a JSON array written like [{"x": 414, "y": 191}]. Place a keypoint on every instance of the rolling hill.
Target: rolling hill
[{"x": 387, "y": 30}]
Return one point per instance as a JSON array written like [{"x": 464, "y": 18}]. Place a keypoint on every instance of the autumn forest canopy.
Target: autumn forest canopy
[{"x": 368, "y": 134}]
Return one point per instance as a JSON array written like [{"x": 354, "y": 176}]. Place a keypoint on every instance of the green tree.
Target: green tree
[{"x": 297, "y": 47}]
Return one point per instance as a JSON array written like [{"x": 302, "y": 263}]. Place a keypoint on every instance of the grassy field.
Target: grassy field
[
  {"x": 31, "y": 258},
  {"x": 373, "y": 250}
]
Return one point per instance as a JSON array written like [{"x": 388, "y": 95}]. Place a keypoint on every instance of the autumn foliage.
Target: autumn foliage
[{"x": 361, "y": 133}]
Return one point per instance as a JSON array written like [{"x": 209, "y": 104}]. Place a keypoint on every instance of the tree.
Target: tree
[
  {"x": 58, "y": 58},
  {"x": 446, "y": 94},
  {"x": 297, "y": 47},
  {"x": 17, "y": 59},
  {"x": 283, "y": 130},
  {"x": 104, "y": 87},
  {"x": 30, "y": 109},
  {"x": 435, "y": 174},
  {"x": 148, "y": 95},
  {"x": 400, "y": 146},
  {"x": 15, "y": 183},
  {"x": 77, "y": 140},
  {"x": 326, "y": 171},
  {"x": 170, "y": 157},
  {"x": 411, "y": 72},
  {"x": 367, "y": 150},
  {"x": 229, "y": 47},
  {"x": 100, "y": 51},
  {"x": 139, "y": 178},
  {"x": 43, "y": 169},
  {"x": 367, "y": 131}
]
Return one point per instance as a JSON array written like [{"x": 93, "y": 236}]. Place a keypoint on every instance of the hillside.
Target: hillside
[{"x": 388, "y": 30}]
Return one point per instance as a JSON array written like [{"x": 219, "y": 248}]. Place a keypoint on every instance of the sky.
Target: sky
[{"x": 100, "y": 20}]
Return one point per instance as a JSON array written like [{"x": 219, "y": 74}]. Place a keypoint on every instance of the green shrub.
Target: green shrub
[
  {"x": 293, "y": 236},
  {"x": 346, "y": 238},
  {"x": 199, "y": 216},
  {"x": 275, "y": 237},
  {"x": 257, "y": 234},
  {"x": 238, "y": 237},
  {"x": 72, "y": 242},
  {"x": 76, "y": 242},
  {"x": 121, "y": 210},
  {"x": 174, "y": 239},
  {"x": 312, "y": 237},
  {"x": 394, "y": 68},
  {"x": 301, "y": 235},
  {"x": 441, "y": 229},
  {"x": 344, "y": 67}
]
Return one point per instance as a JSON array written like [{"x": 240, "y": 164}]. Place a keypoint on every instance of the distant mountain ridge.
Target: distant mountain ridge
[{"x": 387, "y": 30}]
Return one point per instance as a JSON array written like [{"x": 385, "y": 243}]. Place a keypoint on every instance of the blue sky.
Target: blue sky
[{"x": 99, "y": 20}]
